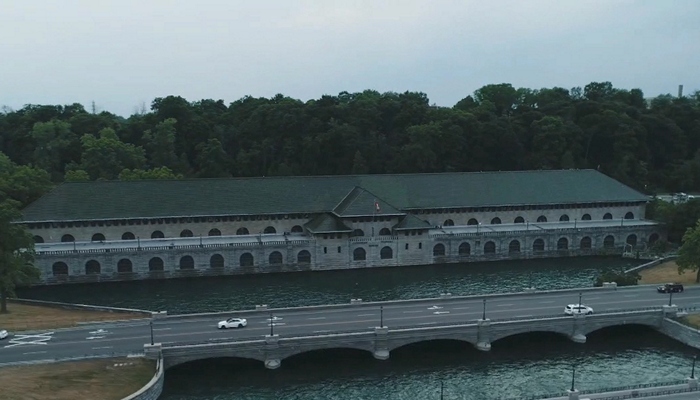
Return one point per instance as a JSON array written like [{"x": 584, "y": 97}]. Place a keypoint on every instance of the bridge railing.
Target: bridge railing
[{"x": 74, "y": 358}]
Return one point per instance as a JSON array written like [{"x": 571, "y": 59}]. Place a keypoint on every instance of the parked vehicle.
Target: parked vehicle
[
  {"x": 3, "y": 334},
  {"x": 670, "y": 288},
  {"x": 576, "y": 309},
  {"x": 233, "y": 323}
]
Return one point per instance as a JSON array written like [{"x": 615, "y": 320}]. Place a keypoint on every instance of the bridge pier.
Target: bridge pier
[
  {"x": 577, "y": 334},
  {"x": 381, "y": 350},
  {"x": 483, "y": 341},
  {"x": 272, "y": 360},
  {"x": 152, "y": 351}
]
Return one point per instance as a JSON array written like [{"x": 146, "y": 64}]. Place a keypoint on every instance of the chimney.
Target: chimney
[{"x": 680, "y": 91}]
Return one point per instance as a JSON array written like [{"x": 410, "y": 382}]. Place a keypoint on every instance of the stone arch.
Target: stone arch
[
  {"x": 186, "y": 262},
  {"x": 609, "y": 242},
  {"x": 448, "y": 222},
  {"x": 472, "y": 221},
  {"x": 465, "y": 249},
  {"x": 38, "y": 239},
  {"x": 631, "y": 240},
  {"x": 157, "y": 235},
  {"x": 67, "y": 238},
  {"x": 155, "y": 264},
  {"x": 612, "y": 323},
  {"x": 489, "y": 247},
  {"x": 495, "y": 221},
  {"x": 396, "y": 344},
  {"x": 246, "y": 260},
  {"x": 629, "y": 215},
  {"x": 358, "y": 232},
  {"x": 495, "y": 336},
  {"x": 519, "y": 220},
  {"x": 607, "y": 216},
  {"x": 128, "y": 236},
  {"x": 216, "y": 261},
  {"x": 242, "y": 231},
  {"x": 97, "y": 237},
  {"x": 586, "y": 243},
  {"x": 563, "y": 243},
  {"x": 653, "y": 238},
  {"x": 359, "y": 254},
  {"x": 275, "y": 258},
  {"x": 125, "y": 266},
  {"x": 538, "y": 245},
  {"x": 214, "y": 232},
  {"x": 386, "y": 253},
  {"x": 93, "y": 267},
  {"x": 564, "y": 218},
  {"x": 385, "y": 232},
  {"x": 270, "y": 230},
  {"x": 438, "y": 250},
  {"x": 59, "y": 268},
  {"x": 586, "y": 217},
  {"x": 297, "y": 229},
  {"x": 304, "y": 257},
  {"x": 541, "y": 218},
  {"x": 514, "y": 246},
  {"x": 186, "y": 233}
]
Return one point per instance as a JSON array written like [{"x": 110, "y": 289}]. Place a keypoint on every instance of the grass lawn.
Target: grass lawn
[
  {"x": 92, "y": 379},
  {"x": 22, "y": 317},
  {"x": 667, "y": 272}
]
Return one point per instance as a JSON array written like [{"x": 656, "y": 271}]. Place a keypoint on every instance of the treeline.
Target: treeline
[{"x": 649, "y": 145}]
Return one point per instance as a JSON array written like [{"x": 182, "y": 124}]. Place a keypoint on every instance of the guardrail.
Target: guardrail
[
  {"x": 74, "y": 358},
  {"x": 663, "y": 388}
]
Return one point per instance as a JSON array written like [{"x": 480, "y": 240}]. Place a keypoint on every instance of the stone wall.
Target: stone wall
[
  {"x": 683, "y": 333},
  {"x": 153, "y": 388},
  {"x": 85, "y": 307}
]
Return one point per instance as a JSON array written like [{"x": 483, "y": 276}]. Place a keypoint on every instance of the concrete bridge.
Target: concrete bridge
[{"x": 381, "y": 340}]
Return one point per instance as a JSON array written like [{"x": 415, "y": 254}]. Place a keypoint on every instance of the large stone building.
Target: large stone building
[{"x": 118, "y": 230}]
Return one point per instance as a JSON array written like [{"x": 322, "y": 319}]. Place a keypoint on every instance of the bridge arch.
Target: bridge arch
[
  {"x": 565, "y": 331},
  {"x": 453, "y": 337}
]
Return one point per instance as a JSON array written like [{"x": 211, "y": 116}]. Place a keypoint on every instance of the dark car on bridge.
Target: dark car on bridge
[{"x": 670, "y": 288}]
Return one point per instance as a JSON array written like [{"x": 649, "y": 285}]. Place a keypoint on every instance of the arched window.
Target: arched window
[
  {"x": 38, "y": 239},
  {"x": 609, "y": 242},
  {"x": 270, "y": 230},
  {"x": 359, "y": 254},
  {"x": 564, "y": 218},
  {"x": 386, "y": 253},
  {"x": 495, "y": 221},
  {"x": 275, "y": 258},
  {"x": 157, "y": 235},
  {"x": 187, "y": 262},
  {"x": 92, "y": 267},
  {"x": 519, "y": 220},
  {"x": 586, "y": 217},
  {"x": 214, "y": 232},
  {"x": 125, "y": 266},
  {"x": 242, "y": 231},
  {"x": 538, "y": 245},
  {"x": 653, "y": 238},
  {"x": 607, "y": 216},
  {"x": 67, "y": 238},
  {"x": 128, "y": 236},
  {"x": 304, "y": 257},
  {"x": 297, "y": 229},
  {"x": 448, "y": 222},
  {"x": 514, "y": 246},
  {"x": 632, "y": 240},
  {"x": 246, "y": 260},
  {"x": 489, "y": 247},
  {"x": 59, "y": 268},
  {"x": 186, "y": 233},
  {"x": 586, "y": 243},
  {"x": 385, "y": 232},
  {"x": 629, "y": 215},
  {"x": 98, "y": 237},
  {"x": 563, "y": 244},
  {"x": 439, "y": 250},
  {"x": 155, "y": 264},
  {"x": 358, "y": 232},
  {"x": 216, "y": 261},
  {"x": 465, "y": 249},
  {"x": 541, "y": 218},
  {"x": 472, "y": 221}
]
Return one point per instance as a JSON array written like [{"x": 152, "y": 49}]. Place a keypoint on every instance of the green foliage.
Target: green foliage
[
  {"x": 16, "y": 253},
  {"x": 689, "y": 253},
  {"x": 156, "y": 173},
  {"x": 617, "y": 276},
  {"x": 22, "y": 183}
]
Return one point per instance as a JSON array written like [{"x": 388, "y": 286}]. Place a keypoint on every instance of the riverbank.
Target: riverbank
[
  {"x": 666, "y": 272},
  {"x": 24, "y": 317},
  {"x": 104, "y": 379}
]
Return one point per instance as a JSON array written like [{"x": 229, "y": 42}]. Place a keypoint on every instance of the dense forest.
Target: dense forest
[{"x": 651, "y": 145}]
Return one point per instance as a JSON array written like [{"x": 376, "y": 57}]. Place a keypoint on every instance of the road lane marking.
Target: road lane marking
[
  {"x": 505, "y": 305},
  {"x": 315, "y": 318},
  {"x": 162, "y": 329},
  {"x": 365, "y": 315},
  {"x": 441, "y": 312},
  {"x": 434, "y": 308},
  {"x": 34, "y": 352},
  {"x": 461, "y": 308},
  {"x": 323, "y": 331},
  {"x": 103, "y": 347},
  {"x": 412, "y": 312},
  {"x": 631, "y": 295},
  {"x": 547, "y": 302},
  {"x": 23, "y": 340}
]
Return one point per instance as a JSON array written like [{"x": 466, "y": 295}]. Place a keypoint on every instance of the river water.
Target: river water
[{"x": 516, "y": 367}]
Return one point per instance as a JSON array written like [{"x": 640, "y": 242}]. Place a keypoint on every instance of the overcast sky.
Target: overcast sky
[{"x": 123, "y": 53}]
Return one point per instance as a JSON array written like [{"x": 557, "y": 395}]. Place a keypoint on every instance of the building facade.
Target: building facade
[{"x": 94, "y": 231}]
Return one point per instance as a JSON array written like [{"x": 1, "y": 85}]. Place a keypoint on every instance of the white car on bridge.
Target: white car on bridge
[
  {"x": 3, "y": 334},
  {"x": 577, "y": 309},
  {"x": 233, "y": 323}
]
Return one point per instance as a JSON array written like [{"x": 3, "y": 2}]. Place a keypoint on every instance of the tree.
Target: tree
[
  {"x": 16, "y": 254},
  {"x": 689, "y": 253},
  {"x": 105, "y": 157}
]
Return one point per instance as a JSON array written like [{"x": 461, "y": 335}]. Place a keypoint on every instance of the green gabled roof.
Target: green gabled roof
[
  {"x": 326, "y": 223},
  {"x": 360, "y": 202},
  {"x": 410, "y": 221},
  {"x": 73, "y": 201}
]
